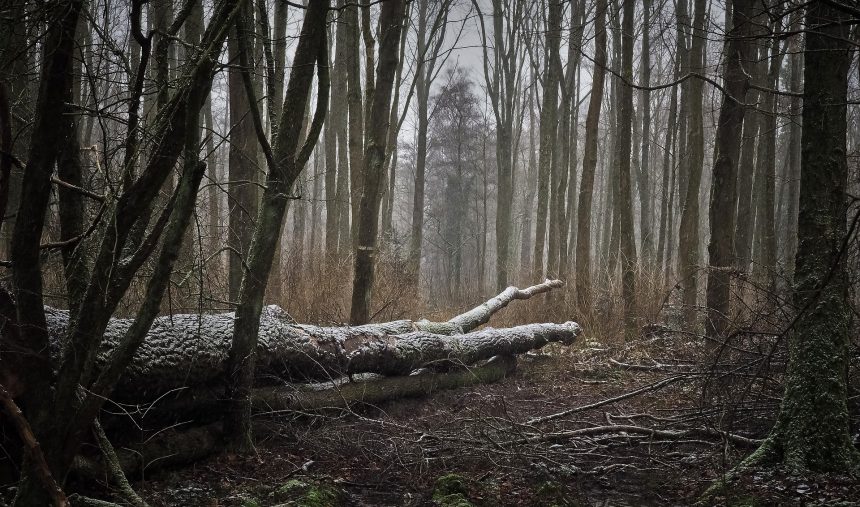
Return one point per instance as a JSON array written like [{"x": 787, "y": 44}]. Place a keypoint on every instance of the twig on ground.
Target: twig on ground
[{"x": 648, "y": 388}]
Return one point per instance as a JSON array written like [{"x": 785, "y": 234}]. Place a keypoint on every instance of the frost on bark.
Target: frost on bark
[{"x": 192, "y": 350}]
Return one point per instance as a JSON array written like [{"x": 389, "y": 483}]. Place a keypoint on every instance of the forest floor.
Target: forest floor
[{"x": 481, "y": 445}]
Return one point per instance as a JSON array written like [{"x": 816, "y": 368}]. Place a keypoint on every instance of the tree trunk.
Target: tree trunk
[
  {"x": 625, "y": 192},
  {"x": 243, "y": 194},
  {"x": 31, "y": 336},
  {"x": 667, "y": 189},
  {"x": 645, "y": 214},
  {"x": 356, "y": 113},
  {"x": 794, "y": 156},
  {"x": 746, "y": 169},
  {"x": 285, "y": 162},
  {"x": 765, "y": 185},
  {"x": 688, "y": 250},
  {"x": 167, "y": 360},
  {"x": 332, "y": 217},
  {"x": 14, "y": 54},
  {"x": 391, "y": 23},
  {"x": 723, "y": 189},
  {"x": 812, "y": 431},
  {"x": 429, "y": 40},
  {"x": 340, "y": 124},
  {"x": 548, "y": 119},
  {"x": 526, "y": 245},
  {"x": 589, "y": 162}
]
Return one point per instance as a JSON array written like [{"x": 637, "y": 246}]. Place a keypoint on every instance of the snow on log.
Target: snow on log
[
  {"x": 191, "y": 350},
  {"x": 480, "y": 315}
]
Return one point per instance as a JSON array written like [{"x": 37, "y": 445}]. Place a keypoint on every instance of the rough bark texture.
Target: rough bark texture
[
  {"x": 812, "y": 430},
  {"x": 192, "y": 350}
]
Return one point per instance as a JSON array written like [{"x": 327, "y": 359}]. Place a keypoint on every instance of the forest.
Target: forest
[{"x": 439, "y": 253}]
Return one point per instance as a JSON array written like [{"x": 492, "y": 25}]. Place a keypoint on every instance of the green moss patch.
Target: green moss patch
[
  {"x": 299, "y": 493},
  {"x": 452, "y": 490}
]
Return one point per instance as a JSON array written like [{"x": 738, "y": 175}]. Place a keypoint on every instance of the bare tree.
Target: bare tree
[
  {"x": 589, "y": 160},
  {"x": 688, "y": 249},
  {"x": 390, "y": 25},
  {"x": 548, "y": 120},
  {"x": 723, "y": 195},
  {"x": 285, "y": 159},
  {"x": 624, "y": 201},
  {"x": 503, "y": 78},
  {"x": 430, "y": 37}
]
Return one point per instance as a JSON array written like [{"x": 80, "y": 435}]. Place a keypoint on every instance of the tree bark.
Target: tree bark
[
  {"x": 285, "y": 162},
  {"x": 243, "y": 194},
  {"x": 589, "y": 162},
  {"x": 167, "y": 359},
  {"x": 356, "y": 113},
  {"x": 745, "y": 216},
  {"x": 688, "y": 249},
  {"x": 812, "y": 430},
  {"x": 548, "y": 119},
  {"x": 391, "y": 24},
  {"x": 625, "y": 192},
  {"x": 723, "y": 184}
]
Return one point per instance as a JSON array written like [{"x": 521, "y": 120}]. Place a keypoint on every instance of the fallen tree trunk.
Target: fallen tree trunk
[{"x": 191, "y": 350}]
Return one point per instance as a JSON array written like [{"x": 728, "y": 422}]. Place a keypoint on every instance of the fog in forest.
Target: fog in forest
[{"x": 429, "y": 252}]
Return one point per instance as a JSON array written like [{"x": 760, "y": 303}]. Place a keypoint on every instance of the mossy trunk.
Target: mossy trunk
[{"x": 812, "y": 430}]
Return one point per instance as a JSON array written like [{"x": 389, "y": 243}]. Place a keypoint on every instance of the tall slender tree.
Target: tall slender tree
[
  {"x": 723, "y": 196},
  {"x": 430, "y": 37},
  {"x": 243, "y": 192},
  {"x": 688, "y": 248},
  {"x": 548, "y": 121},
  {"x": 624, "y": 147},
  {"x": 589, "y": 160},
  {"x": 390, "y": 26}
]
